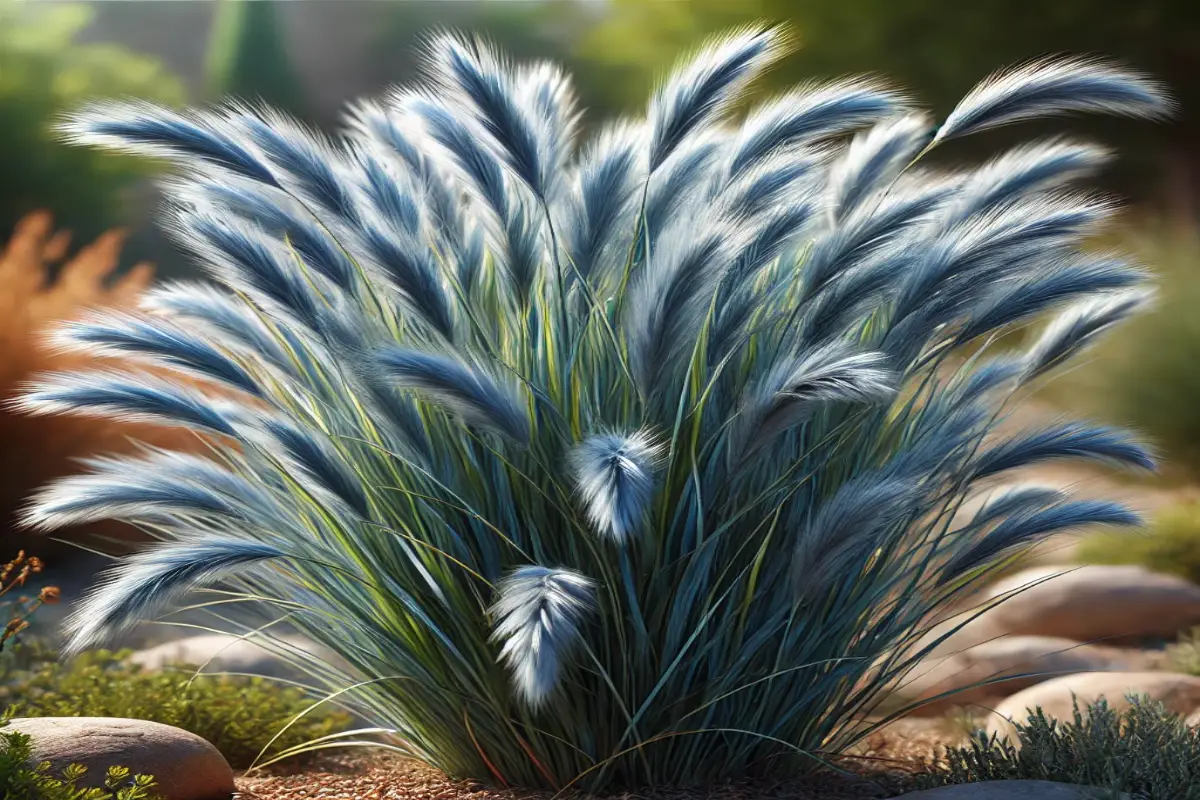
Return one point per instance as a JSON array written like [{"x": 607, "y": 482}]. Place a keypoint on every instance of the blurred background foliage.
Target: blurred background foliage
[
  {"x": 248, "y": 58},
  {"x": 939, "y": 49},
  {"x": 44, "y": 72}
]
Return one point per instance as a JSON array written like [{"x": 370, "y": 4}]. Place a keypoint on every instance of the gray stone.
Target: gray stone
[
  {"x": 1014, "y": 790},
  {"x": 1034, "y": 658},
  {"x": 221, "y": 652},
  {"x": 1095, "y": 603},
  {"x": 185, "y": 766}
]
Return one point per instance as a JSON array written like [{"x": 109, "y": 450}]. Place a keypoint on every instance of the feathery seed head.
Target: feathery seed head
[
  {"x": 614, "y": 476},
  {"x": 539, "y": 612}
]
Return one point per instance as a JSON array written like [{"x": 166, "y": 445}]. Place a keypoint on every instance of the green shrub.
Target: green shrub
[
  {"x": 238, "y": 715},
  {"x": 1143, "y": 751},
  {"x": 1170, "y": 543},
  {"x": 609, "y": 466},
  {"x": 21, "y": 781},
  {"x": 43, "y": 74}
]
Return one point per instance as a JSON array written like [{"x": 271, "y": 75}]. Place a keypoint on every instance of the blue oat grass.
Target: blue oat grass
[{"x": 611, "y": 464}]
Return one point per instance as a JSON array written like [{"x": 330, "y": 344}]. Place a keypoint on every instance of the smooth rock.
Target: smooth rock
[
  {"x": 1049, "y": 656},
  {"x": 185, "y": 766},
  {"x": 1012, "y": 790},
  {"x": 221, "y": 652},
  {"x": 1092, "y": 604},
  {"x": 1180, "y": 694}
]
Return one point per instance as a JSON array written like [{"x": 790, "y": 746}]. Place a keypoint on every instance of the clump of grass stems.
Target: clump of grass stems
[{"x": 605, "y": 466}]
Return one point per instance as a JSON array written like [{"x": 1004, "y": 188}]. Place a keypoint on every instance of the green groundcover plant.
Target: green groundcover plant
[
  {"x": 246, "y": 718},
  {"x": 1143, "y": 752},
  {"x": 604, "y": 466}
]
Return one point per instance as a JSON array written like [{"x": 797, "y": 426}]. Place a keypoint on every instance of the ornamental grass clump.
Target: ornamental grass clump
[{"x": 611, "y": 465}]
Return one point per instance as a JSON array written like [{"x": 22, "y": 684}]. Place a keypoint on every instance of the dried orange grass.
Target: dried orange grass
[{"x": 38, "y": 289}]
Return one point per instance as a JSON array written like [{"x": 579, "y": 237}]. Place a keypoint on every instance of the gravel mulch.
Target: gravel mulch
[{"x": 882, "y": 768}]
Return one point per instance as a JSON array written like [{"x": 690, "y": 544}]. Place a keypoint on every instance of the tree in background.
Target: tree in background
[
  {"x": 940, "y": 49},
  {"x": 248, "y": 59},
  {"x": 44, "y": 72}
]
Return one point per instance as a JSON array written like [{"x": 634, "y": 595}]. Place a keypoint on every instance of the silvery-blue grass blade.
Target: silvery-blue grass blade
[
  {"x": 808, "y": 114},
  {"x": 161, "y": 486},
  {"x": 147, "y": 582},
  {"x": 131, "y": 397},
  {"x": 525, "y": 244},
  {"x": 1020, "y": 172},
  {"x": 701, "y": 89},
  {"x": 1012, "y": 499},
  {"x": 1031, "y": 525},
  {"x": 372, "y": 120},
  {"x": 1054, "y": 283},
  {"x": 410, "y": 267},
  {"x": 466, "y": 391},
  {"x": 1080, "y": 326},
  {"x": 513, "y": 225},
  {"x": 470, "y": 259},
  {"x": 610, "y": 172},
  {"x": 867, "y": 229},
  {"x": 127, "y": 335},
  {"x": 873, "y": 159},
  {"x": 482, "y": 81},
  {"x": 846, "y": 525},
  {"x": 669, "y": 298},
  {"x": 614, "y": 474},
  {"x": 676, "y": 186},
  {"x": 538, "y": 615},
  {"x": 795, "y": 388},
  {"x": 848, "y": 300},
  {"x": 278, "y": 215},
  {"x": 235, "y": 248},
  {"x": 991, "y": 375},
  {"x": 940, "y": 442},
  {"x": 386, "y": 190},
  {"x": 740, "y": 295},
  {"x": 547, "y": 99},
  {"x": 192, "y": 139},
  {"x": 461, "y": 144},
  {"x": 1064, "y": 440},
  {"x": 1055, "y": 86},
  {"x": 307, "y": 163},
  {"x": 372, "y": 125},
  {"x": 225, "y": 316},
  {"x": 314, "y": 455},
  {"x": 986, "y": 246},
  {"x": 778, "y": 179}
]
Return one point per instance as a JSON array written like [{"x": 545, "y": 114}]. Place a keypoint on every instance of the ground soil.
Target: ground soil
[{"x": 883, "y": 766}]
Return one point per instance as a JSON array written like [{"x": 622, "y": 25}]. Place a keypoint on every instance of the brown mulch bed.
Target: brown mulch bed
[{"x": 882, "y": 768}]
